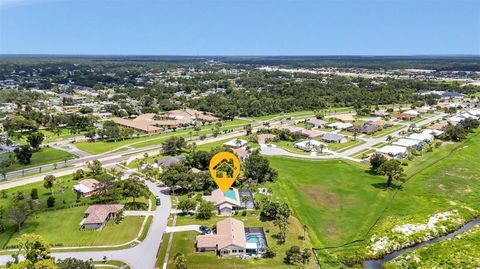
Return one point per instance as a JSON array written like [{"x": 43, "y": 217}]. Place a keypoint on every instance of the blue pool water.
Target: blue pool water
[
  {"x": 230, "y": 194},
  {"x": 256, "y": 238}
]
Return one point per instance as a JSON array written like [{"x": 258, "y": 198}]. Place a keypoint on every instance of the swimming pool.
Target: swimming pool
[
  {"x": 231, "y": 194},
  {"x": 258, "y": 239}
]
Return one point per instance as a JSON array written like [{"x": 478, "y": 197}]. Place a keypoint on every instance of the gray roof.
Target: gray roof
[
  {"x": 167, "y": 161},
  {"x": 332, "y": 137}
]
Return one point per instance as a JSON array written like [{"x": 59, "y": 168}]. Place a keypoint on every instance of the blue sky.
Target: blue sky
[{"x": 240, "y": 27}]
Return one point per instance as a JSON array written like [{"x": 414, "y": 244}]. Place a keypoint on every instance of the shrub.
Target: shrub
[
  {"x": 269, "y": 253},
  {"x": 51, "y": 201},
  {"x": 34, "y": 194}
]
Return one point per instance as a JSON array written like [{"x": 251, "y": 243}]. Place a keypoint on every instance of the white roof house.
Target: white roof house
[
  {"x": 235, "y": 143},
  {"x": 474, "y": 112},
  {"x": 455, "y": 120},
  {"x": 426, "y": 137},
  {"x": 340, "y": 125},
  {"x": 412, "y": 113},
  {"x": 405, "y": 142},
  {"x": 394, "y": 151},
  {"x": 435, "y": 133},
  {"x": 308, "y": 145}
]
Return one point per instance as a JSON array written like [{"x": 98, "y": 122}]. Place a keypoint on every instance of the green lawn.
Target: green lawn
[
  {"x": 65, "y": 134},
  {"x": 386, "y": 131},
  {"x": 184, "y": 242},
  {"x": 341, "y": 147},
  {"x": 336, "y": 200},
  {"x": 61, "y": 228},
  {"x": 288, "y": 146},
  {"x": 144, "y": 141},
  {"x": 44, "y": 156}
]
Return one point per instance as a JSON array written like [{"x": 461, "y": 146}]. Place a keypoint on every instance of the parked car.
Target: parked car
[
  {"x": 157, "y": 200},
  {"x": 205, "y": 230}
]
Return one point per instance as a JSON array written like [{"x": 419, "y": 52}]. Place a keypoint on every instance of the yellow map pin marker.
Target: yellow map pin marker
[{"x": 224, "y": 169}]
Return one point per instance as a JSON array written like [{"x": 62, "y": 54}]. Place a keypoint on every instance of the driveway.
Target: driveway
[{"x": 184, "y": 228}]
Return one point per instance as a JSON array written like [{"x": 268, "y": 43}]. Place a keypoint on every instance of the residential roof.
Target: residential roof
[
  {"x": 240, "y": 152},
  {"x": 344, "y": 117},
  {"x": 218, "y": 197},
  {"x": 437, "y": 126},
  {"x": 332, "y": 137},
  {"x": 229, "y": 232},
  {"x": 262, "y": 137},
  {"x": 235, "y": 143},
  {"x": 340, "y": 125},
  {"x": 392, "y": 150},
  {"x": 312, "y": 133},
  {"x": 421, "y": 136},
  {"x": 382, "y": 123},
  {"x": 316, "y": 122},
  {"x": 86, "y": 185},
  {"x": 405, "y": 142},
  {"x": 99, "y": 213},
  {"x": 292, "y": 129},
  {"x": 167, "y": 161}
]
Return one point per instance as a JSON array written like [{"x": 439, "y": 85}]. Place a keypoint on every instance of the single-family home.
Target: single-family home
[
  {"x": 455, "y": 119},
  {"x": 96, "y": 216},
  {"x": 292, "y": 129},
  {"x": 410, "y": 143},
  {"x": 309, "y": 145},
  {"x": 86, "y": 187},
  {"x": 233, "y": 239},
  {"x": 383, "y": 123},
  {"x": 381, "y": 113},
  {"x": 394, "y": 151},
  {"x": 334, "y": 138},
  {"x": 340, "y": 125},
  {"x": 403, "y": 116},
  {"x": 263, "y": 138},
  {"x": 435, "y": 133},
  {"x": 316, "y": 122},
  {"x": 241, "y": 153},
  {"x": 412, "y": 113},
  {"x": 231, "y": 200},
  {"x": 235, "y": 143},
  {"x": 312, "y": 133},
  {"x": 425, "y": 137},
  {"x": 437, "y": 126},
  {"x": 344, "y": 117},
  {"x": 167, "y": 161},
  {"x": 364, "y": 129}
]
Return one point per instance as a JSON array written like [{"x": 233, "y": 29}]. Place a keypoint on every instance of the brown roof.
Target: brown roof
[
  {"x": 99, "y": 213},
  {"x": 344, "y": 117},
  {"x": 382, "y": 123},
  {"x": 143, "y": 125},
  {"x": 240, "y": 152},
  {"x": 89, "y": 183},
  {"x": 437, "y": 126},
  {"x": 312, "y": 133},
  {"x": 404, "y": 116},
  {"x": 263, "y": 137},
  {"x": 229, "y": 232}
]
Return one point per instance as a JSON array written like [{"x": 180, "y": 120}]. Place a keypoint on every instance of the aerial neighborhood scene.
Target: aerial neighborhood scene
[{"x": 239, "y": 134}]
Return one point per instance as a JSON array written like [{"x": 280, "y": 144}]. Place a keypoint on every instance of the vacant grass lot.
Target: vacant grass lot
[
  {"x": 184, "y": 242},
  {"x": 336, "y": 200},
  {"x": 43, "y": 156}
]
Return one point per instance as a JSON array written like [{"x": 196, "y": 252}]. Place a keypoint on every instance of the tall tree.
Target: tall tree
[
  {"x": 135, "y": 188},
  {"x": 23, "y": 154},
  {"x": 393, "y": 170},
  {"x": 35, "y": 140},
  {"x": 48, "y": 182}
]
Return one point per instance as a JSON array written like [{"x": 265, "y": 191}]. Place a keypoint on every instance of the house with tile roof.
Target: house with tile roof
[
  {"x": 96, "y": 216},
  {"x": 86, "y": 187}
]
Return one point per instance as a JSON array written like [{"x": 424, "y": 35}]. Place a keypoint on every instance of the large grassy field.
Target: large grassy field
[
  {"x": 144, "y": 141},
  {"x": 336, "y": 200},
  {"x": 43, "y": 156},
  {"x": 339, "y": 201}
]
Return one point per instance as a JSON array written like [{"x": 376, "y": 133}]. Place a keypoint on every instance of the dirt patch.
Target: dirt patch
[{"x": 329, "y": 200}]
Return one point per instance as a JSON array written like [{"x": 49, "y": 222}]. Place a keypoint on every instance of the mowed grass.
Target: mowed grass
[
  {"x": 61, "y": 228},
  {"x": 336, "y": 200},
  {"x": 145, "y": 141},
  {"x": 450, "y": 181},
  {"x": 184, "y": 242},
  {"x": 43, "y": 156}
]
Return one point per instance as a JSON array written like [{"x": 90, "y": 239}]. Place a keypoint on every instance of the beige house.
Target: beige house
[
  {"x": 230, "y": 239},
  {"x": 96, "y": 216},
  {"x": 86, "y": 187},
  {"x": 225, "y": 203}
]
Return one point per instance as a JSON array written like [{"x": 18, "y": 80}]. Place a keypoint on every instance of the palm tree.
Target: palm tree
[
  {"x": 322, "y": 146},
  {"x": 355, "y": 136},
  {"x": 389, "y": 139}
]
